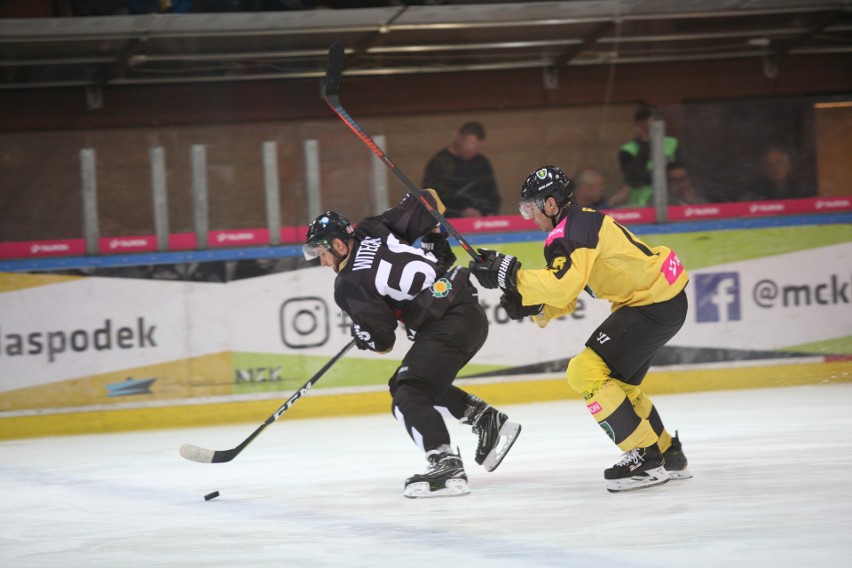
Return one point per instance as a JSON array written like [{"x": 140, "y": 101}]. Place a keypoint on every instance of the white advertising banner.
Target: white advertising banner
[
  {"x": 90, "y": 326},
  {"x": 295, "y": 312},
  {"x": 773, "y": 302},
  {"x": 94, "y": 325}
]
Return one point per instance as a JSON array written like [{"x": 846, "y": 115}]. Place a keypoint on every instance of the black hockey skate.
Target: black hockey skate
[
  {"x": 444, "y": 477},
  {"x": 496, "y": 433},
  {"x": 675, "y": 460},
  {"x": 637, "y": 469}
]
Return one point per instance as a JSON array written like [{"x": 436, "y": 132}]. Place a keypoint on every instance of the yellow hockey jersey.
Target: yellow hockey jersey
[{"x": 590, "y": 248}]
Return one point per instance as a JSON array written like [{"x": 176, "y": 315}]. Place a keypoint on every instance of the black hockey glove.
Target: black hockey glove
[
  {"x": 437, "y": 244},
  {"x": 512, "y": 303},
  {"x": 362, "y": 338},
  {"x": 495, "y": 270}
]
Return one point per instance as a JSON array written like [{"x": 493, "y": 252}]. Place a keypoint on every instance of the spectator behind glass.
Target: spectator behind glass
[
  {"x": 637, "y": 167},
  {"x": 779, "y": 180},
  {"x": 681, "y": 190},
  {"x": 589, "y": 189},
  {"x": 463, "y": 177}
]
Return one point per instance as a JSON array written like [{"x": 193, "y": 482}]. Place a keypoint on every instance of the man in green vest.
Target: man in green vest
[{"x": 637, "y": 167}]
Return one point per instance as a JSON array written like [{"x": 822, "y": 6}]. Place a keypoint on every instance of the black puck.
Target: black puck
[{"x": 211, "y": 495}]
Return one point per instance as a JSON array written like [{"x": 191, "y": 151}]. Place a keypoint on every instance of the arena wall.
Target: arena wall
[{"x": 84, "y": 352}]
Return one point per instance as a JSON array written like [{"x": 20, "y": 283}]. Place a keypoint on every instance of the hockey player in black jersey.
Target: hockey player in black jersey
[
  {"x": 588, "y": 249},
  {"x": 382, "y": 279}
]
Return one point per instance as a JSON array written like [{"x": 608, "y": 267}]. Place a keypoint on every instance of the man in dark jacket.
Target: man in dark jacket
[{"x": 463, "y": 177}]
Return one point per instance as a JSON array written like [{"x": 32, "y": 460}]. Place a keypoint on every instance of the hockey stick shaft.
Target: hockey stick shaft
[
  {"x": 202, "y": 455},
  {"x": 334, "y": 70}
]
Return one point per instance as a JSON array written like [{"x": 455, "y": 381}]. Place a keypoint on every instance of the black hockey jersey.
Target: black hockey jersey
[{"x": 385, "y": 279}]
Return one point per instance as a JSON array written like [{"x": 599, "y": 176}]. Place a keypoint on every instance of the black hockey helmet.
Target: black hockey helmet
[
  {"x": 545, "y": 182},
  {"x": 322, "y": 232}
]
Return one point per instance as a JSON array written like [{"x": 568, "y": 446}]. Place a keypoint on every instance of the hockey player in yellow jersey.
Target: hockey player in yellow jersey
[{"x": 586, "y": 249}]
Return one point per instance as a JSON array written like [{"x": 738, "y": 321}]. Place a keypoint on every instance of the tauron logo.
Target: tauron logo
[
  {"x": 49, "y": 247},
  {"x": 718, "y": 297}
]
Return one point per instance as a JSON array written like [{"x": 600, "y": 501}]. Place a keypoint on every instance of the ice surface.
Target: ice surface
[{"x": 772, "y": 487}]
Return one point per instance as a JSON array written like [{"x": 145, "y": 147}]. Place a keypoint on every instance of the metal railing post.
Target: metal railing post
[
  {"x": 271, "y": 191},
  {"x": 89, "y": 185},
  {"x": 159, "y": 196},
  {"x": 380, "y": 178},
  {"x": 658, "y": 158},
  {"x": 198, "y": 155},
  {"x": 312, "y": 179}
]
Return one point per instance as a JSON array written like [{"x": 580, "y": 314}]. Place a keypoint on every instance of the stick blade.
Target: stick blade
[
  {"x": 334, "y": 69},
  {"x": 202, "y": 455},
  {"x": 196, "y": 454}
]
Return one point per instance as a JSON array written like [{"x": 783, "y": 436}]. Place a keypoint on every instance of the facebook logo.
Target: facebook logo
[{"x": 718, "y": 297}]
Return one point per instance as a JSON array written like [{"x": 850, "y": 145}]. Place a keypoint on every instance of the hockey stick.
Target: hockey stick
[
  {"x": 202, "y": 455},
  {"x": 334, "y": 69}
]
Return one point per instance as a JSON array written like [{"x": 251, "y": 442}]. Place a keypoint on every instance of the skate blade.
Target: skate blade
[
  {"x": 508, "y": 434},
  {"x": 452, "y": 488},
  {"x": 679, "y": 474},
  {"x": 650, "y": 478}
]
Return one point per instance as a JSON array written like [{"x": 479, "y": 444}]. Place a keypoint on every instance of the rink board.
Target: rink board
[
  {"x": 769, "y": 306},
  {"x": 331, "y": 402}
]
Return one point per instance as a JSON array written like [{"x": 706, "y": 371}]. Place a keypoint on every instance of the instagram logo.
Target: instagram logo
[{"x": 304, "y": 322}]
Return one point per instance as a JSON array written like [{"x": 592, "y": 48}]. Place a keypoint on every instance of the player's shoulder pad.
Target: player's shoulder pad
[{"x": 584, "y": 227}]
